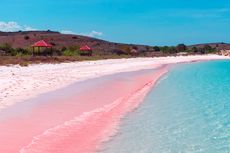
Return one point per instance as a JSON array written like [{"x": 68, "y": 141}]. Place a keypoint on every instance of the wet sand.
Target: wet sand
[{"x": 76, "y": 119}]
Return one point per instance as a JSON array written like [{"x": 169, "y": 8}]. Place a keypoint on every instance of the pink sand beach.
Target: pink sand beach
[{"x": 74, "y": 113}]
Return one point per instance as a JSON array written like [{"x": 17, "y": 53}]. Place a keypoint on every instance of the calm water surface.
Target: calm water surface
[{"x": 187, "y": 112}]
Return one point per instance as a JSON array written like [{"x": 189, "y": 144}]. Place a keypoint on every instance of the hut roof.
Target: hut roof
[
  {"x": 41, "y": 43},
  {"x": 85, "y": 48}
]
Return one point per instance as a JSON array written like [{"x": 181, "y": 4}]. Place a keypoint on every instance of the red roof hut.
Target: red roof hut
[
  {"x": 41, "y": 44},
  {"x": 86, "y": 50}
]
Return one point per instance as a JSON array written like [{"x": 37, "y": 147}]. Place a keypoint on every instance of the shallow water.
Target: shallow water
[{"x": 187, "y": 112}]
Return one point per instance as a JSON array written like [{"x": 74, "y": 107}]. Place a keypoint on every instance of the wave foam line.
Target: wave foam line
[{"x": 85, "y": 133}]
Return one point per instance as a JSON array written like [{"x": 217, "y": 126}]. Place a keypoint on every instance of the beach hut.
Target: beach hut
[
  {"x": 86, "y": 51},
  {"x": 41, "y": 44}
]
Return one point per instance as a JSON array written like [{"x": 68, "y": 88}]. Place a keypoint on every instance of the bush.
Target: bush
[
  {"x": 26, "y": 37},
  {"x": 47, "y": 52},
  {"x": 7, "y": 48},
  {"x": 208, "y": 49},
  {"x": 181, "y": 48},
  {"x": 22, "y": 51},
  {"x": 156, "y": 48},
  {"x": 23, "y": 64},
  {"x": 164, "y": 49},
  {"x": 74, "y": 48},
  {"x": 126, "y": 49},
  {"x": 119, "y": 52},
  {"x": 53, "y": 43},
  {"x": 69, "y": 53}
]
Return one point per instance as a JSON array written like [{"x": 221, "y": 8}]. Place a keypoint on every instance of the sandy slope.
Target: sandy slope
[{"x": 21, "y": 83}]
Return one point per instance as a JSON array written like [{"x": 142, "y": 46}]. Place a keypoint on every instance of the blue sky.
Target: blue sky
[{"x": 152, "y": 22}]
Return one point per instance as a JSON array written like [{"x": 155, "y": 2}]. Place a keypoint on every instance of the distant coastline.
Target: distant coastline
[{"x": 16, "y": 48}]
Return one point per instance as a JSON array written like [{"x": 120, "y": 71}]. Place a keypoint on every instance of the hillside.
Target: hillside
[
  {"x": 218, "y": 46},
  {"x": 24, "y": 39}
]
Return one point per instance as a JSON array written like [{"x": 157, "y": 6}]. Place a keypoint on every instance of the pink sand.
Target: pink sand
[
  {"x": 78, "y": 123},
  {"x": 16, "y": 83}
]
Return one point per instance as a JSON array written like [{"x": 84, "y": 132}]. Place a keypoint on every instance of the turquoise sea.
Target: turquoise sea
[{"x": 187, "y": 112}]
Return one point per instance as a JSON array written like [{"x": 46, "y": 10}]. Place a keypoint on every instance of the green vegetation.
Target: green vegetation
[
  {"x": 25, "y": 56},
  {"x": 156, "y": 48},
  {"x": 183, "y": 48},
  {"x": 70, "y": 53}
]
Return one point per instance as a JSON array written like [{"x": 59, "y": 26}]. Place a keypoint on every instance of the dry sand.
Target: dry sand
[{"x": 21, "y": 83}]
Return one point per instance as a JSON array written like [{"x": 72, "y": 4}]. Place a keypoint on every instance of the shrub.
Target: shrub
[
  {"x": 26, "y": 37},
  {"x": 194, "y": 50},
  {"x": 6, "y": 48},
  {"x": 126, "y": 49},
  {"x": 52, "y": 43},
  {"x": 74, "y": 48},
  {"x": 22, "y": 51},
  {"x": 118, "y": 52},
  {"x": 208, "y": 49},
  {"x": 24, "y": 64},
  {"x": 165, "y": 49},
  {"x": 46, "y": 52},
  {"x": 181, "y": 48},
  {"x": 156, "y": 48},
  {"x": 63, "y": 49},
  {"x": 69, "y": 53}
]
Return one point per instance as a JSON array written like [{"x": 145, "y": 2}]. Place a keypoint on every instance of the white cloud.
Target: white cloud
[
  {"x": 94, "y": 34},
  {"x": 90, "y": 34},
  {"x": 28, "y": 28},
  {"x": 14, "y": 26},
  {"x": 67, "y": 32},
  {"x": 9, "y": 26}
]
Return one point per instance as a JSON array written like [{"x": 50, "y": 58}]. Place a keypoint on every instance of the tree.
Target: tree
[
  {"x": 172, "y": 50},
  {"x": 208, "y": 49},
  {"x": 165, "y": 49},
  {"x": 181, "y": 48},
  {"x": 194, "y": 49},
  {"x": 156, "y": 48}
]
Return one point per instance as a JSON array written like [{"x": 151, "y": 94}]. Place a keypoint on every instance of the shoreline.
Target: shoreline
[
  {"x": 97, "y": 126},
  {"x": 92, "y": 125},
  {"x": 22, "y": 83}
]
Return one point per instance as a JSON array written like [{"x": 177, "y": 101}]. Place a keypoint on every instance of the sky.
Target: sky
[{"x": 149, "y": 22}]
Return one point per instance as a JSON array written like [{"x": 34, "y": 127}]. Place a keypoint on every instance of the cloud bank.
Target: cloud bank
[{"x": 12, "y": 26}]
